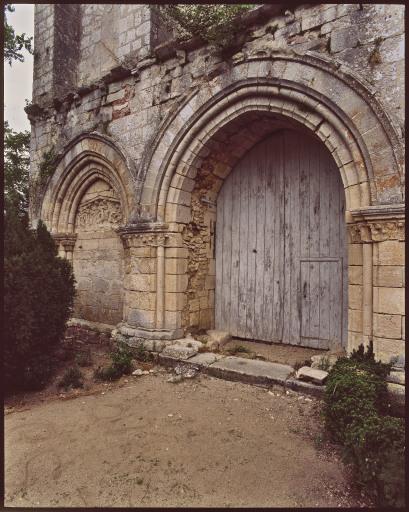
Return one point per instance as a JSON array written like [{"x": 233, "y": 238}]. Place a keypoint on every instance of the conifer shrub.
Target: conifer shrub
[
  {"x": 355, "y": 411},
  {"x": 38, "y": 300}
]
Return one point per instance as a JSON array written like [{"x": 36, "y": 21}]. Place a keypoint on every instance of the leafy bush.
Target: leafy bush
[
  {"x": 140, "y": 353},
  {"x": 351, "y": 393},
  {"x": 121, "y": 365},
  {"x": 213, "y": 23},
  {"x": 38, "y": 299},
  {"x": 72, "y": 378},
  {"x": 375, "y": 445},
  {"x": 366, "y": 360},
  {"x": 355, "y": 415}
]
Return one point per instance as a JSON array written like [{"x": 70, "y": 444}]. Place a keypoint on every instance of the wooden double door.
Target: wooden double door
[{"x": 281, "y": 256}]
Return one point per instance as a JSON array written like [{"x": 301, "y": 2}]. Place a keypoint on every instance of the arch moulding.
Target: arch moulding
[
  {"x": 88, "y": 158},
  {"x": 328, "y": 99}
]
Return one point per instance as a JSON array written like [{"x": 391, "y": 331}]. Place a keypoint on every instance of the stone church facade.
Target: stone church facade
[{"x": 135, "y": 138}]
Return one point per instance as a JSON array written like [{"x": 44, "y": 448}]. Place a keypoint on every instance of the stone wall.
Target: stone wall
[
  {"x": 335, "y": 70},
  {"x": 98, "y": 256}
]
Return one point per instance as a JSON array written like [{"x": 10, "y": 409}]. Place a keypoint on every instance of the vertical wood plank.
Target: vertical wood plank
[
  {"x": 260, "y": 323},
  {"x": 227, "y": 227},
  {"x": 243, "y": 233},
  {"x": 235, "y": 253},
  {"x": 293, "y": 156},
  {"x": 305, "y": 299},
  {"x": 314, "y": 298},
  {"x": 252, "y": 243},
  {"x": 325, "y": 209},
  {"x": 219, "y": 259},
  {"x": 287, "y": 248},
  {"x": 279, "y": 256},
  {"x": 324, "y": 282}
]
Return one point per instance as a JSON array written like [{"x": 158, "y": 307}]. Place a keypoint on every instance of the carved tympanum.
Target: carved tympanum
[{"x": 101, "y": 212}]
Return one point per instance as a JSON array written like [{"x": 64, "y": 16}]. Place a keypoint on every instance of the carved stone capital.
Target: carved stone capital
[
  {"x": 387, "y": 230},
  {"x": 67, "y": 240},
  {"x": 144, "y": 234},
  {"x": 377, "y": 224}
]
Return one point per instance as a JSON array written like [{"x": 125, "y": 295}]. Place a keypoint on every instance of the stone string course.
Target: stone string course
[{"x": 163, "y": 124}]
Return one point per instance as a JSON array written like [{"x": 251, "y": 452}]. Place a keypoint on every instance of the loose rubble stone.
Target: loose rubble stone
[
  {"x": 217, "y": 339},
  {"x": 183, "y": 348},
  {"x": 175, "y": 379},
  {"x": 324, "y": 359},
  {"x": 186, "y": 372},
  {"x": 312, "y": 375},
  {"x": 138, "y": 372}
]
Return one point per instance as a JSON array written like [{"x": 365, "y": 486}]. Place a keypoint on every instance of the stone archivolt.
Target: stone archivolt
[{"x": 100, "y": 212}]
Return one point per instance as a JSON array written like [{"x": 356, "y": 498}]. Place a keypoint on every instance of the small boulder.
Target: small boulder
[
  {"x": 326, "y": 361},
  {"x": 187, "y": 372},
  {"x": 175, "y": 379},
  {"x": 217, "y": 339},
  {"x": 183, "y": 348},
  {"x": 312, "y": 375},
  {"x": 138, "y": 372}
]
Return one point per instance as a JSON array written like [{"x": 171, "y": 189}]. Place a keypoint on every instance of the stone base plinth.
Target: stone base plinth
[{"x": 150, "y": 334}]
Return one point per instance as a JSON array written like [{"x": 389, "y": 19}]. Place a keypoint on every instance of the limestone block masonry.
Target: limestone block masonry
[{"x": 142, "y": 132}]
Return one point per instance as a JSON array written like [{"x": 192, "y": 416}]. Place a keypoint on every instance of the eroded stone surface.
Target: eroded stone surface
[
  {"x": 312, "y": 375},
  {"x": 217, "y": 339},
  {"x": 206, "y": 358},
  {"x": 183, "y": 348},
  {"x": 255, "y": 368}
]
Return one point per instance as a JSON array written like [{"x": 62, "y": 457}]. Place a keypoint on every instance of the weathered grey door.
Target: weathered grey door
[{"x": 281, "y": 266}]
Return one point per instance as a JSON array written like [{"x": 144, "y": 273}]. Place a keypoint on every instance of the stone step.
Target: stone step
[
  {"x": 264, "y": 373},
  {"x": 250, "y": 371}
]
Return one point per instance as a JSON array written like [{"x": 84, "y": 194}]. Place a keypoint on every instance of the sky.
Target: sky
[{"x": 18, "y": 78}]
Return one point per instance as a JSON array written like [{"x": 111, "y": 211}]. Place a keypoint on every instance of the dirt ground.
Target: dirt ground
[{"x": 144, "y": 441}]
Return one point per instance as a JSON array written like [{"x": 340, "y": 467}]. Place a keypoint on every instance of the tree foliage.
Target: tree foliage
[
  {"x": 213, "y": 23},
  {"x": 16, "y": 169},
  {"x": 14, "y": 43},
  {"x": 38, "y": 300}
]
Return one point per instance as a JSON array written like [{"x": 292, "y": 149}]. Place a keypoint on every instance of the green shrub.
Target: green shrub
[
  {"x": 324, "y": 364},
  {"x": 366, "y": 360},
  {"x": 72, "y": 378},
  {"x": 355, "y": 406},
  {"x": 351, "y": 392},
  {"x": 376, "y": 445},
  {"x": 38, "y": 300},
  {"x": 140, "y": 353},
  {"x": 217, "y": 24},
  {"x": 121, "y": 364}
]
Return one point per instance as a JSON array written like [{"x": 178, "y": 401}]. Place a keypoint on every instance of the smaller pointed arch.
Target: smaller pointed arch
[{"x": 88, "y": 158}]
